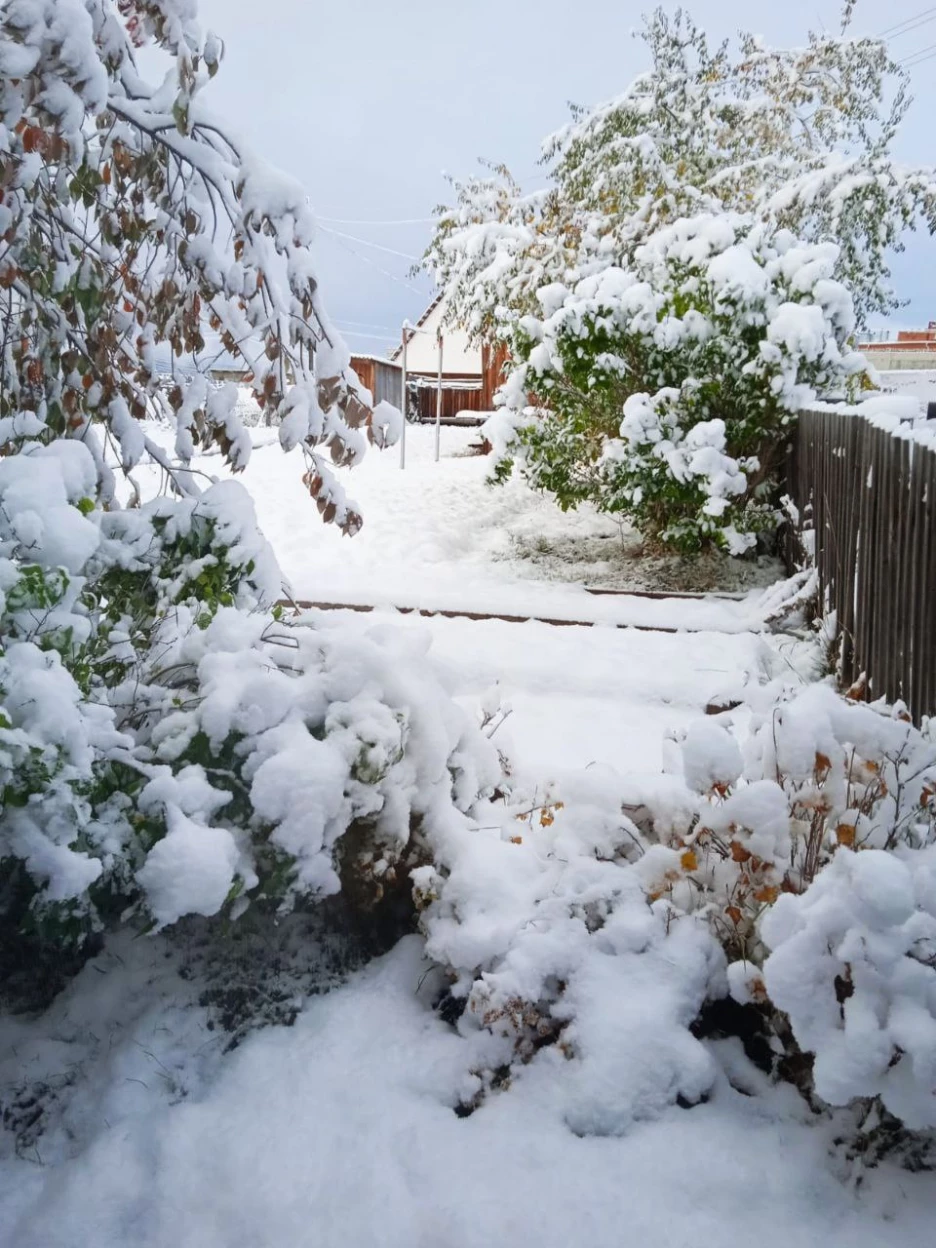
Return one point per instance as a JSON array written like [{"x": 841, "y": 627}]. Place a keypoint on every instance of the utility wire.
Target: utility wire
[
  {"x": 916, "y": 58},
  {"x": 369, "y": 337},
  {"x": 365, "y": 325},
  {"x": 910, "y": 29},
  {"x": 367, "y": 260},
  {"x": 922, "y": 61},
  {"x": 908, "y": 23},
  {"x": 365, "y": 242},
  {"x": 407, "y": 221}
]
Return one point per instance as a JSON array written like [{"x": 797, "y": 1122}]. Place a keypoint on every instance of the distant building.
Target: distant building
[
  {"x": 470, "y": 374},
  {"x": 911, "y": 348},
  {"x": 382, "y": 377}
]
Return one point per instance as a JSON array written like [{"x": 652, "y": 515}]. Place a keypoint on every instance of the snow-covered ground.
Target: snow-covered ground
[
  {"x": 916, "y": 383},
  {"x": 436, "y": 535},
  {"x": 339, "y": 1131}
]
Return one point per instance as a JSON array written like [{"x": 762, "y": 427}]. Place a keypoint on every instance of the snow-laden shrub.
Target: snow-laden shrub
[
  {"x": 667, "y": 388},
  {"x": 168, "y": 745},
  {"x": 542, "y": 919},
  {"x": 793, "y": 871},
  {"x": 853, "y": 965},
  {"x": 812, "y": 856}
]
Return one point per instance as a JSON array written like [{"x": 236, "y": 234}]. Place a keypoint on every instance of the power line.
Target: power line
[
  {"x": 908, "y": 23},
  {"x": 365, "y": 242},
  {"x": 922, "y": 61},
  {"x": 369, "y": 337},
  {"x": 406, "y": 221},
  {"x": 365, "y": 325},
  {"x": 367, "y": 260},
  {"x": 925, "y": 21},
  {"x": 916, "y": 58}
]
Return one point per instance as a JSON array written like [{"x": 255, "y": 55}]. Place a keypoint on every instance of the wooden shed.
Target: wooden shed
[{"x": 382, "y": 377}]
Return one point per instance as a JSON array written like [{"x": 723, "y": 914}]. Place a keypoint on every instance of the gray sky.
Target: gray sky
[{"x": 368, "y": 104}]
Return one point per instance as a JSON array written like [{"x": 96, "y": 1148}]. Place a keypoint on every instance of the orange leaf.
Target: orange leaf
[
  {"x": 757, "y": 988},
  {"x": 768, "y": 894},
  {"x": 688, "y": 861},
  {"x": 823, "y": 762},
  {"x": 845, "y": 834},
  {"x": 739, "y": 853},
  {"x": 546, "y": 819},
  {"x": 516, "y": 840},
  {"x": 734, "y": 914}
]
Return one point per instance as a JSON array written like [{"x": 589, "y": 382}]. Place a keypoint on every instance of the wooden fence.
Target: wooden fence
[
  {"x": 869, "y": 498},
  {"x": 458, "y": 395}
]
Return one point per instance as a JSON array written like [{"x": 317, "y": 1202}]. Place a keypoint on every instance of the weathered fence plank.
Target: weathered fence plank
[{"x": 870, "y": 500}]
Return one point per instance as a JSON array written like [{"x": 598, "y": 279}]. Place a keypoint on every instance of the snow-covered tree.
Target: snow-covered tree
[
  {"x": 797, "y": 142},
  {"x": 168, "y": 745},
  {"x": 130, "y": 220},
  {"x": 801, "y": 137}
]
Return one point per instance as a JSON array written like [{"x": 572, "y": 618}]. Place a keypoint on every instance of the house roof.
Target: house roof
[
  {"x": 378, "y": 359},
  {"x": 422, "y": 320}
]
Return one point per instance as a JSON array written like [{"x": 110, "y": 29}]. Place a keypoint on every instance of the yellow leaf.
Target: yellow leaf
[
  {"x": 845, "y": 834},
  {"x": 688, "y": 861}
]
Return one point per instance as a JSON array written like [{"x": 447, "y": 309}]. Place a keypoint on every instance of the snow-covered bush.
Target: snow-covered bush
[
  {"x": 554, "y": 950},
  {"x": 793, "y": 871},
  {"x": 168, "y": 745},
  {"x": 709, "y": 343},
  {"x": 812, "y": 856},
  {"x": 799, "y": 140}
]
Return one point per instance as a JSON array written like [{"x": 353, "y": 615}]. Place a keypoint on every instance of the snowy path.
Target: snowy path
[
  {"x": 436, "y": 537},
  {"x": 579, "y": 696}
]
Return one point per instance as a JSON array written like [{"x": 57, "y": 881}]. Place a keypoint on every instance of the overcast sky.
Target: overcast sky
[{"x": 369, "y": 104}]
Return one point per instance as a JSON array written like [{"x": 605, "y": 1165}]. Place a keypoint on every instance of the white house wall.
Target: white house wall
[{"x": 458, "y": 356}]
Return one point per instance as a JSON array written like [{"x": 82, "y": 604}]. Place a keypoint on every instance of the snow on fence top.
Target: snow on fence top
[{"x": 900, "y": 415}]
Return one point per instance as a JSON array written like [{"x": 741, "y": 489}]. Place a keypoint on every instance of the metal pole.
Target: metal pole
[
  {"x": 439, "y": 401},
  {"x": 403, "y": 380}
]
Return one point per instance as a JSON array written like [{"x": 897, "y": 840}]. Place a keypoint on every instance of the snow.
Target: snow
[
  {"x": 153, "y": 1136},
  {"x": 861, "y": 921},
  {"x": 340, "y": 1130},
  {"x": 190, "y": 871},
  {"x": 437, "y": 537}
]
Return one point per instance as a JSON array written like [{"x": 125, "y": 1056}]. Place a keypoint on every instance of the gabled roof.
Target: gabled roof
[{"x": 422, "y": 320}]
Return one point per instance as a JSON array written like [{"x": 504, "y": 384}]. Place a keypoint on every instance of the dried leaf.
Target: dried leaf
[
  {"x": 688, "y": 861},
  {"x": 845, "y": 834}
]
